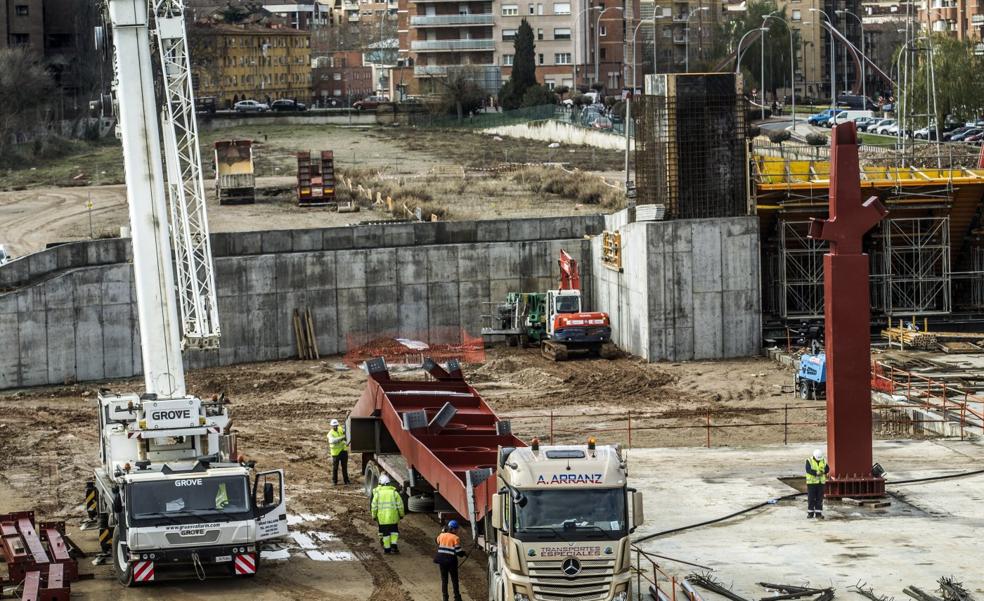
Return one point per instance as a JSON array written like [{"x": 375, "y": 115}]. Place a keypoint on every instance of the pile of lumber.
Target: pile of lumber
[{"x": 926, "y": 341}]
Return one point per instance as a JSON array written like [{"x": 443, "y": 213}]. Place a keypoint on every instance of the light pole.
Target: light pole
[
  {"x": 577, "y": 21},
  {"x": 597, "y": 55},
  {"x": 792, "y": 64},
  {"x": 742, "y": 41},
  {"x": 864, "y": 57},
  {"x": 632, "y": 90},
  {"x": 686, "y": 31},
  {"x": 833, "y": 61}
]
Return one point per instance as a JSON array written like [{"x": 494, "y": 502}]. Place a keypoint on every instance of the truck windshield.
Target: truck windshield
[
  {"x": 568, "y": 304},
  {"x": 188, "y": 499},
  {"x": 571, "y": 514}
]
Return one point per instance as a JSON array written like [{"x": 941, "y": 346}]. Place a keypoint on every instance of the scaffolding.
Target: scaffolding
[
  {"x": 691, "y": 146},
  {"x": 800, "y": 272},
  {"x": 915, "y": 266}
]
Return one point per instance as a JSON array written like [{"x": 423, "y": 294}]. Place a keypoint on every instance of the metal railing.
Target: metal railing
[
  {"x": 450, "y": 45},
  {"x": 437, "y": 20}
]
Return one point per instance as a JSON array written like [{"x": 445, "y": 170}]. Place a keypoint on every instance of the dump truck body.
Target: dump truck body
[{"x": 235, "y": 180}]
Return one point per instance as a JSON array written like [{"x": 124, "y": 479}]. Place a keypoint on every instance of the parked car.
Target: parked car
[
  {"x": 4, "y": 255},
  {"x": 976, "y": 139},
  {"x": 370, "y": 102},
  {"x": 883, "y": 127},
  {"x": 250, "y": 106},
  {"x": 601, "y": 122},
  {"x": 845, "y": 116},
  {"x": 820, "y": 117},
  {"x": 961, "y": 137},
  {"x": 861, "y": 122},
  {"x": 205, "y": 105},
  {"x": 286, "y": 104}
]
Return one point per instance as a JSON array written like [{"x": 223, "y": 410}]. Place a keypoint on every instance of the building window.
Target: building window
[
  {"x": 21, "y": 10},
  {"x": 510, "y": 10},
  {"x": 507, "y": 59},
  {"x": 797, "y": 15},
  {"x": 562, "y": 58},
  {"x": 337, "y": 77},
  {"x": 550, "y": 84},
  {"x": 539, "y": 33},
  {"x": 539, "y": 9},
  {"x": 601, "y": 56},
  {"x": 508, "y": 34},
  {"x": 562, "y": 8},
  {"x": 562, "y": 33},
  {"x": 541, "y": 58},
  {"x": 532, "y": 8},
  {"x": 20, "y": 39},
  {"x": 602, "y": 31}
]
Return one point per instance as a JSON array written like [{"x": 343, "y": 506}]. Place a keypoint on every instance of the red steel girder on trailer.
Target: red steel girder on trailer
[
  {"x": 442, "y": 454},
  {"x": 847, "y": 322}
]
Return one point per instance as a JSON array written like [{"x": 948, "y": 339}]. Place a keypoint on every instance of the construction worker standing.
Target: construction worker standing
[
  {"x": 339, "y": 452},
  {"x": 387, "y": 509},
  {"x": 448, "y": 552},
  {"x": 816, "y": 477}
]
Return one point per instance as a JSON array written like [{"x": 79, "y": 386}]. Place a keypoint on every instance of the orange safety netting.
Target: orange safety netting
[{"x": 438, "y": 343}]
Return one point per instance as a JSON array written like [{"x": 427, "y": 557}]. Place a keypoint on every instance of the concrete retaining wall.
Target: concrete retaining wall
[
  {"x": 421, "y": 281},
  {"x": 565, "y": 133},
  {"x": 689, "y": 289}
]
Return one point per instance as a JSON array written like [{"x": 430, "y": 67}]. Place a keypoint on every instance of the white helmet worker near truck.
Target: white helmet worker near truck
[{"x": 387, "y": 510}]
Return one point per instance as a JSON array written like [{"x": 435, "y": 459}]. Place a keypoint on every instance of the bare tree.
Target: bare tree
[{"x": 27, "y": 93}]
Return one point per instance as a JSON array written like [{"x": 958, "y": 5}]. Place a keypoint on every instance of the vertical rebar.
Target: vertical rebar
[
  {"x": 551, "y": 427},
  {"x": 708, "y": 428},
  {"x": 785, "y": 424}
]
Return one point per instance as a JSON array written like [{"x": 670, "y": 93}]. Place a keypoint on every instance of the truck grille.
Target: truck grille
[
  {"x": 210, "y": 536},
  {"x": 550, "y": 583}
]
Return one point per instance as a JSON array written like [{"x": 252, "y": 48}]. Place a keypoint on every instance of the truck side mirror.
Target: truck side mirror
[
  {"x": 638, "y": 516},
  {"x": 268, "y": 493},
  {"x": 497, "y": 511}
]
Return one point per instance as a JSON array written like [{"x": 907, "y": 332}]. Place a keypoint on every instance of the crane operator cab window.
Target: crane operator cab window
[
  {"x": 175, "y": 501},
  {"x": 567, "y": 304}
]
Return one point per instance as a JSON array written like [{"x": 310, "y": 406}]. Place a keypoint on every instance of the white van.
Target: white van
[
  {"x": 846, "y": 115},
  {"x": 4, "y": 255}
]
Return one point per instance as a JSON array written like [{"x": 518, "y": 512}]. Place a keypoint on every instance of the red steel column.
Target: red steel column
[{"x": 847, "y": 321}]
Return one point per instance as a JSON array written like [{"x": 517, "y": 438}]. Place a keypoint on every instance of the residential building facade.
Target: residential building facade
[
  {"x": 341, "y": 78},
  {"x": 233, "y": 63},
  {"x": 962, "y": 19}
]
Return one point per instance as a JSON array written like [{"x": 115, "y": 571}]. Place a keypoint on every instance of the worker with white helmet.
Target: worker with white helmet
[
  {"x": 338, "y": 445},
  {"x": 816, "y": 477},
  {"x": 387, "y": 510}
]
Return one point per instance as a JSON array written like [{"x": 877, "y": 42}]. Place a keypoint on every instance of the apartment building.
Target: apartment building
[
  {"x": 340, "y": 78},
  {"x": 962, "y": 19},
  {"x": 813, "y": 65},
  {"x": 237, "y": 62},
  {"x": 685, "y": 28}
]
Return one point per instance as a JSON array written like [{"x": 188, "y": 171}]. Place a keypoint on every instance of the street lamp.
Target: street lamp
[
  {"x": 792, "y": 63},
  {"x": 597, "y": 54},
  {"x": 686, "y": 31},
  {"x": 742, "y": 41},
  {"x": 864, "y": 57},
  {"x": 577, "y": 20},
  {"x": 833, "y": 63}
]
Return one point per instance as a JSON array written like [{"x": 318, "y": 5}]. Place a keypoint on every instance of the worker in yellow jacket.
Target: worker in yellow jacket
[
  {"x": 338, "y": 446},
  {"x": 387, "y": 510}
]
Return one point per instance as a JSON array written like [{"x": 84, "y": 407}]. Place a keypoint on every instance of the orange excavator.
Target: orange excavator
[{"x": 554, "y": 319}]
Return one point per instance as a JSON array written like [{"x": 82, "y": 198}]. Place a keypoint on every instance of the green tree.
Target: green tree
[
  {"x": 460, "y": 94},
  {"x": 538, "y": 95},
  {"x": 776, "y": 41},
  {"x": 959, "y": 83},
  {"x": 523, "y": 69}
]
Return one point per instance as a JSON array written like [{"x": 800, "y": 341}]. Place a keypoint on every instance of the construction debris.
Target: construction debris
[
  {"x": 919, "y": 594},
  {"x": 868, "y": 592},
  {"x": 910, "y": 338},
  {"x": 38, "y": 555},
  {"x": 708, "y": 582},
  {"x": 953, "y": 590}
]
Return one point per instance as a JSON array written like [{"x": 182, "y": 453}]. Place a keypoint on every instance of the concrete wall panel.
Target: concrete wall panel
[{"x": 10, "y": 358}]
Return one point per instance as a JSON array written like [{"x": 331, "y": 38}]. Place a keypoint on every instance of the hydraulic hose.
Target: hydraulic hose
[{"x": 788, "y": 497}]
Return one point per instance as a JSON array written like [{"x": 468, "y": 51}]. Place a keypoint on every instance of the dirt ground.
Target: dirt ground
[
  {"x": 48, "y": 203},
  {"x": 281, "y": 411}
]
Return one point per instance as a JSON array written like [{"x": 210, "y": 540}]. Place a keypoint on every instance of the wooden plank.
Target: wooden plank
[{"x": 26, "y": 528}]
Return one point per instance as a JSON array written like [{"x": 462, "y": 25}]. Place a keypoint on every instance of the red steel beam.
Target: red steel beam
[
  {"x": 26, "y": 527},
  {"x": 469, "y": 441},
  {"x": 847, "y": 321}
]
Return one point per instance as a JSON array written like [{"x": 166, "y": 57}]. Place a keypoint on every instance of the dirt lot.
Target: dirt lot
[
  {"x": 281, "y": 410},
  {"x": 442, "y": 170}
]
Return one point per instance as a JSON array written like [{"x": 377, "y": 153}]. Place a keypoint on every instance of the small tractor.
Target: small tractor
[
  {"x": 811, "y": 379},
  {"x": 554, "y": 320}
]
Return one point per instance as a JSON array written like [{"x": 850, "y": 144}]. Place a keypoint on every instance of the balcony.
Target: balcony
[
  {"x": 451, "y": 45},
  {"x": 437, "y": 70},
  {"x": 451, "y": 20}
]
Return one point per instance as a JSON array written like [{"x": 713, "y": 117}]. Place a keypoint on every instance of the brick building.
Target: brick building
[
  {"x": 252, "y": 61},
  {"x": 341, "y": 78}
]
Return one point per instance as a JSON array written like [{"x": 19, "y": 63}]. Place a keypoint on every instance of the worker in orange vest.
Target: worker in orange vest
[{"x": 448, "y": 552}]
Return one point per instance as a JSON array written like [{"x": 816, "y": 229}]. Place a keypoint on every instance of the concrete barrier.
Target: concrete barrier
[{"x": 564, "y": 133}]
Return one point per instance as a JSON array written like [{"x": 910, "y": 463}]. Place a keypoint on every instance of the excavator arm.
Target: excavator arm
[{"x": 570, "y": 277}]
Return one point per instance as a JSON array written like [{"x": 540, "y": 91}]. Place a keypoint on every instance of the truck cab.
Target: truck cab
[
  {"x": 172, "y": 491},
  {"x": 562, "y": 518}
]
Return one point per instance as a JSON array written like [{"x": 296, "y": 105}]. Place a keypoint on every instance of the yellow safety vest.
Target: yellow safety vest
[
  {"x": 336, "y": 440},
  {"x": 387, "y": 505},
  {"x": 820, "y": 467}
]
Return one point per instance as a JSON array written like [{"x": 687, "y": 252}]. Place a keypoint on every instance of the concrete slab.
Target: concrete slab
[
  {"x": 60, "y": 334},
  {"x": 9, "y": 361},
  {"x": 929, "y": 530},
  {"x": 276, "y": 241},
  {"x": 32, "y": 334},
  {"x": 381, "y": 267},
  {"x": 442, "y": 264},
  {"x": 89, "y": 343},
  {"x": 118, "y": 336},
  {"x": 305, "y": 240},
  {"x": 351, "y": 269}
]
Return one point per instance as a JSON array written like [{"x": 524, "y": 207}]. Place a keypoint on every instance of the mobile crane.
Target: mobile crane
[
  {"x": 554, "y": 520},
  {"x": 171, "y": 489}
]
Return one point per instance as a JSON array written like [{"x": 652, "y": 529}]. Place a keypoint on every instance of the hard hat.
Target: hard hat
[
  {"x": 334, "y": 422},
  {"x": 817, "y": 454},
  {"x": 384, "y": 479},
  {"x": 453, "y": 525}
]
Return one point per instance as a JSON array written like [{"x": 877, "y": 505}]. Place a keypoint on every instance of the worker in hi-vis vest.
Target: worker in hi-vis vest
[
  {"x": 339, "y": 452},
  {"x": 448, "y": 552},
  {"x": 387, "y": 510},
  {"x": 816, "y": 477}
]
